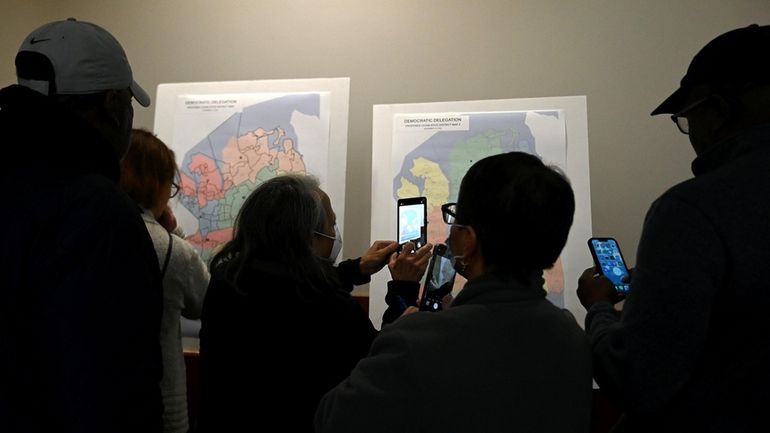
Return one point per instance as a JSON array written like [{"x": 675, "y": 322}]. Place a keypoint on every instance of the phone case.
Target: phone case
[
  {"x": 412, "y": 221},
  {"x": 439, "y": 279},
  {"x": 608, "y": 258}
]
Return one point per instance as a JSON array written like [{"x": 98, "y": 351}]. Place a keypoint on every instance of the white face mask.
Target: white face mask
[
  {"x": 337, "y": 247},
  {"x": 453, "y": 259}
]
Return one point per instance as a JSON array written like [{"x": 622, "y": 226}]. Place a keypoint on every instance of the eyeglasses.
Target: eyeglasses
[
  {"x": 174, "y": 190},
  {"x": 679, "y": 117},
  {"x": 449, "y": 212}
]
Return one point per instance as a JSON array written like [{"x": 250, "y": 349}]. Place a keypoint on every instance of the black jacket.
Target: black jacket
[
  {"x": 278, "y": 342},
  {"x": 80, "y": 291},
  {"x": 692, "y": 348}
]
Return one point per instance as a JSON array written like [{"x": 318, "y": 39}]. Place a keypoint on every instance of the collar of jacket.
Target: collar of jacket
[
  {"x": 744, "y": 142},
  {"x": 492, "y": 288}
]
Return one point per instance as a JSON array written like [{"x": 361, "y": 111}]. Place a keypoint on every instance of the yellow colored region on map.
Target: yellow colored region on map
[
  {"x": 407, "y": 189},
  {"x": 436, "y": 183}
]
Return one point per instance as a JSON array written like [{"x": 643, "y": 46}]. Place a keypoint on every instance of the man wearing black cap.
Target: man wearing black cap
[
  {"x": 691, "y": 349},
  {"x": 80, "y": 291}
]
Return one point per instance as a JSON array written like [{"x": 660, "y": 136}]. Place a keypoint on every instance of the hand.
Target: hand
[
  {"x": 446, "y": 301},
  {"x": 376, "y": 256},
  {"x": 593, "y": 287},
  {"x": 167, "y": 219},
  {"x": 409, "y": 265},
  {"x": 408, "y": 311}
]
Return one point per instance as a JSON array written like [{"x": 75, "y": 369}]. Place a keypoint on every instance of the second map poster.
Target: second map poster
[{"x": 429, "y": 147}]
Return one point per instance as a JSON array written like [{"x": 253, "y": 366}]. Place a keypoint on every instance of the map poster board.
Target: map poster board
[
  {"x": 425, "y": 149},
  {"x": 229, "y": 137}
]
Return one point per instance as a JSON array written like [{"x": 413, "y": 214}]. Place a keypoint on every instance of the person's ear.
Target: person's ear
[{"x": 468, "y": 244}]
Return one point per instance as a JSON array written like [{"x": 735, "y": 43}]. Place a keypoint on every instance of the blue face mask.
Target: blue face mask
[{"x": 453, "y": 258}]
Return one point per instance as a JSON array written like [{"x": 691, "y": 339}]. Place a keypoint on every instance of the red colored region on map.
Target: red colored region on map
[{"x": 212, "y": 239}]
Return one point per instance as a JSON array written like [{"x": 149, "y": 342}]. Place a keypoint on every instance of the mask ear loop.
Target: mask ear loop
[{"x": 457, "y": 260}]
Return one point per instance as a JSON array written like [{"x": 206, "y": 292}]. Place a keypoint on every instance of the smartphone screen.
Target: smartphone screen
[
  {"x": 413, "y": 221},
  {"x": 608, "y": 258},
  {"x": 439, "y": 280}
]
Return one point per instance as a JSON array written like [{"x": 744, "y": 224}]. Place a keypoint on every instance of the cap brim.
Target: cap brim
[
  {"x": 672, "y": 104},
  {"x": 139, "y": 94}
]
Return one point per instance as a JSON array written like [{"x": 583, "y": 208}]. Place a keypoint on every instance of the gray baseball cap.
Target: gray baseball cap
[{"x": 84, "y": 58}]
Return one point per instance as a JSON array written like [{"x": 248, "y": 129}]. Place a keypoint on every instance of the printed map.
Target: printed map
[
  {"x": 218, "y": 172},
  {"x": 432, "y": 158}
]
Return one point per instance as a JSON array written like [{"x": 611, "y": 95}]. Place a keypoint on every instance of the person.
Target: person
[
  {"x": 690, "y": 350},
  {"x": 147, "y": 175},
  {"x": 279, "y": 327},
  {"x": 80, "y": 291},
  {"x": 501, "y": 357}
]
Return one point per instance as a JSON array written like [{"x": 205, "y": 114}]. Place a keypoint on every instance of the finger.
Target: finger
[
  {"x": 376, "y": 247},
  {"x": 380, "y": 243},
  {"x": 424, "y": 251},
  {"x": 393, "y": 259},
  {"x": 590, "y": 272},
  {"x": 409, "y": 246},
  {"x": 389, "y": 246},
  {"x": 418, "y": 257},
  {"x": 630, "y": 275}
]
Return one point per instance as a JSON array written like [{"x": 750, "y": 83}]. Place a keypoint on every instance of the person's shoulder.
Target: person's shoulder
[
  {"x": 423, "y": 325},
  {"x": 96, "y": 192},
  {"x": 92, "y": 204},
  {"x": 183, "y": 246}
]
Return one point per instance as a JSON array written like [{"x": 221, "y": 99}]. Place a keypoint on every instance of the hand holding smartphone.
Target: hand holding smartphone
[
  {"x": 439, "y": 280},
  {"x": 610, "y": 262},
  {"x": 412, "y": 221}
]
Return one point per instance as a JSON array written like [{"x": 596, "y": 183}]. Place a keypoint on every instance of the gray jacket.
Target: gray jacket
[{"x": 502, "y": 358}]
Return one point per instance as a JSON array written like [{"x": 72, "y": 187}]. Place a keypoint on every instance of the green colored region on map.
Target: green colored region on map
[
  {"x": 465, "y": 152},
  {"x": 234, "y": 197},
  {"x": 268, "y": 172}
]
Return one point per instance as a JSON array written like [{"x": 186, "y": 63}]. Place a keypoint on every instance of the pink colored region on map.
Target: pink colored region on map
[
  {"x": 210, "y": 185},
  {"x": 243, "y": 158},
  {"x": 213, "y": 239}
]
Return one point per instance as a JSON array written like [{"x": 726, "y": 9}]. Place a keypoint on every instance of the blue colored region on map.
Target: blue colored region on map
[
  {"x": 488, "y": 134},
  {"x": 268, "y": 114}
]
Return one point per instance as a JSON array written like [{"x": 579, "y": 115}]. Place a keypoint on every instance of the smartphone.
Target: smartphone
[
  {"x": 439, "y": 280},
  {"x": 412, "y": 221},
  {"x": 609, "y": 260}
]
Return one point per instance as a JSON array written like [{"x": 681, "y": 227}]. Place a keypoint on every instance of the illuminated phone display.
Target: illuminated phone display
[
  {"x": 609, "y": 260},
  {"x": 413, "y": 221}
]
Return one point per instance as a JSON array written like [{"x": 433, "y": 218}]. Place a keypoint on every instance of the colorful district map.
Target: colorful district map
[
  {"x": 436, "y": 164},
  {"x": 253, "y": 145}
]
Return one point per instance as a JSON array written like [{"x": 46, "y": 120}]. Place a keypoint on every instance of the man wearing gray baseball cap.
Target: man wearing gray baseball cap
[
  {"x": 691, "y": 349},
  {"x": 80, "y": 294}
]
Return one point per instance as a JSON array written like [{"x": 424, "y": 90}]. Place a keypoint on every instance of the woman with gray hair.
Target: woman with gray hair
[{"x": 278, "y": 318}]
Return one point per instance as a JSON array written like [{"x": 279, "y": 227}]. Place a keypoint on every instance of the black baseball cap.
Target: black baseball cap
[{"x": 730, "y": 60}]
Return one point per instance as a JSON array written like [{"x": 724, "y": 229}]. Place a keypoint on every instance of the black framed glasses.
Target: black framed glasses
[
  {"x": 174, "y": 190},
  {"x": 449, "y": 212},
  {"x": 679, "y": 117}
]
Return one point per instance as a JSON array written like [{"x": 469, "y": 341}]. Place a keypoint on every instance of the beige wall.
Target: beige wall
[{"x": 624, "y": 55}]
